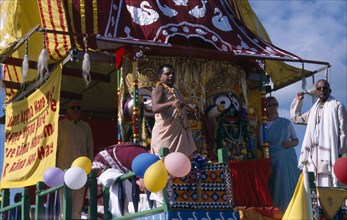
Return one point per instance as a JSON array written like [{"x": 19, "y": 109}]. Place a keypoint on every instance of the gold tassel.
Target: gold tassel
[
  {"x": 42, "y": 62},
  {"x": 86, "y": 64}
]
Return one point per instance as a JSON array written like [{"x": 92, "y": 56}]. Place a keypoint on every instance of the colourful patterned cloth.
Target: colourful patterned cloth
[{"x": 205, "y": 188}]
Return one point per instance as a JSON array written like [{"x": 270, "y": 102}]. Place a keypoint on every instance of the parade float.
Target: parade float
[{"x": 108, "y": 52}]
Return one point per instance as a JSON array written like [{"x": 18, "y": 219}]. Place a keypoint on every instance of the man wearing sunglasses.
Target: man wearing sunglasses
[
  {"x": 74, "y": 140},
  {"x": 325, "y": 137}
]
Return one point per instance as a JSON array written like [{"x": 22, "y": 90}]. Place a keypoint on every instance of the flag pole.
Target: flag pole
[{"x": 307, "y": 190}]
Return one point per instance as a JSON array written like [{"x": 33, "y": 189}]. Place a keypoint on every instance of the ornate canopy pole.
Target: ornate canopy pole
[
  {"x": 136, "y": 136},
  {"x": 263, "y": 112},
  {"x": 119, "y": 77}
]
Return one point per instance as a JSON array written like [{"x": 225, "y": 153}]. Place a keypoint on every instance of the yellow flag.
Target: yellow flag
[{"x": 297, "y": 209}]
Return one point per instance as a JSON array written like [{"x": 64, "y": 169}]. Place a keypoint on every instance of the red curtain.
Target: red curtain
[{"x": 250, "y": 181}]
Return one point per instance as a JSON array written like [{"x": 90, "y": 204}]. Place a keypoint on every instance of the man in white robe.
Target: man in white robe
[
  {"x": 325, "y": 137},
  {"x": 74, "y": 140}
]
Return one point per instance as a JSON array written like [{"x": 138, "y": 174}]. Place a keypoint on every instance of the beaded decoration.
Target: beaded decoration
[{"x": 179, "y": 112}]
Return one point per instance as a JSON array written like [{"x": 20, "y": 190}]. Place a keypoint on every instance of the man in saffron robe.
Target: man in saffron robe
[
  {"x": 325, "y": 137},
  {"x": 171, "y": 128}
]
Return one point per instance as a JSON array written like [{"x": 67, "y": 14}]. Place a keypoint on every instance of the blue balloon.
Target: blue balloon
[{"x": 142, "y": 161}]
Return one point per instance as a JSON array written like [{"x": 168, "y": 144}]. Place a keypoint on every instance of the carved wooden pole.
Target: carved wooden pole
[{"x": 264, "y": 116}]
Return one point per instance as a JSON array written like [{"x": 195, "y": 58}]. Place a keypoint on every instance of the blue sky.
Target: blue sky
[{"x": 313, "y": 30}]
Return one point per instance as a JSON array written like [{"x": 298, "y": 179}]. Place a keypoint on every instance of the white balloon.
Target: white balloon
[{"x": 75, "y": 177}]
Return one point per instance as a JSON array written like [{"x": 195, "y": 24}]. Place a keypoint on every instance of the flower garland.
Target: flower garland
[
  {"x": 229, "y": 136},
  {"x": 179, "y": 112}
]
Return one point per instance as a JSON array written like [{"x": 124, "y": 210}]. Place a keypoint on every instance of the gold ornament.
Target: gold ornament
[
  {"x": 179, "y": 111},
  {"x": 224, "y": 82},
  {"x": 146, "y": 78}
]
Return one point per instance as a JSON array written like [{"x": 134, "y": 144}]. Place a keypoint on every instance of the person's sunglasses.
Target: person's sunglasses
[
  {"x": 78, "y": 108},
  {"x": 325, "y": 88},
  {"x": 271, "y": 105}
]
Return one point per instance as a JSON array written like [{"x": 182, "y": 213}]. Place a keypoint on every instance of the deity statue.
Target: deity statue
[
  {"x": 228, "y": 116},
  {"x": 193, "y": 97}
]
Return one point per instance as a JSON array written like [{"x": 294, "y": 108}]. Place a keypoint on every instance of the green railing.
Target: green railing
[
  {"x": 41, "y": 193},
  {"x": 23, "y": 205},
  {"x": 136, "y": 214}
]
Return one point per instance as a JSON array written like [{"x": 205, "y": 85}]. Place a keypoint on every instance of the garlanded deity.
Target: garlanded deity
[
  {"x": 229, "y": 118},
  {"x": 193, "y": 97}
]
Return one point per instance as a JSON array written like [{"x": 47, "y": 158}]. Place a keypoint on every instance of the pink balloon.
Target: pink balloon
[{"x": 177, "y": 164}]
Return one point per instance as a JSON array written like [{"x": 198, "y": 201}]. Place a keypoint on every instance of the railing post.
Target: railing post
[
  {"x": 134, "y": 194},
  {"x": 92, "y": 196},
  {"x": 164, "y": 151},
  {"x": 106, "y": 199},
  {"x": 307, "y": 184},
  {"x": 5, "y": 201},
  {"x": 39, "y": 200},
  {"x": 315, "y": 211},
  {"x": 25, "y": 204},
  {"x": 67, "y": 206}
]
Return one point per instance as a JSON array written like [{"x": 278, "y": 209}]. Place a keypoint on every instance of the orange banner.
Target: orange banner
[{"x": 31, "y": 131}]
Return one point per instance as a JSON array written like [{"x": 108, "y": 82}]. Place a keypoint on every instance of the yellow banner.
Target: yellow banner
[
  {"x": 297, "y": 209},
  {"x": 31, "y": 131}
]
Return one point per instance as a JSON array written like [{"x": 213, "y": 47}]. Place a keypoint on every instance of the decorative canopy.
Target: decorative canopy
[
  {"x": 213, "y": 22},
  {"x": 211, "y": 26}
]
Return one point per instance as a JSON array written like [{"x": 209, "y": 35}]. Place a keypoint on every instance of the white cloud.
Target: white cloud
[{"x": 313, "y": 30}]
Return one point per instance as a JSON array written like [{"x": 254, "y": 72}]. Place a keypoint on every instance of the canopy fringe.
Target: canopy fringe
[
  {"x": 42, "y": 62},
  {"x": 25, "y": 66},
  {"x": 86, "y": 64}
]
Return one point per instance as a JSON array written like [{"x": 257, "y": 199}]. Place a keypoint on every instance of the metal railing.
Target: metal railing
[
  {"x": 135, "y": 195},
  {"x": 41, "y": 195},
  {"x": 42, "y": 204},
  {"x": 21, "y": 208}
]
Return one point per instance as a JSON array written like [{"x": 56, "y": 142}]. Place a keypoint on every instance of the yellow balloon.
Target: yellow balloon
[
  {"x": 84, "y": 162},
  {"x": 155, "y": 177}
]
